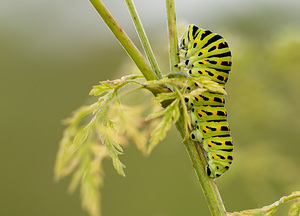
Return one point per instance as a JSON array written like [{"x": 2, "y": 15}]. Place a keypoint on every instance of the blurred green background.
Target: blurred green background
[{"x": 53, "y": 52}]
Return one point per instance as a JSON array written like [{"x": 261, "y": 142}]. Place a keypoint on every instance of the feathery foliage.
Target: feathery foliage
[{"x": 100, "y": 130}]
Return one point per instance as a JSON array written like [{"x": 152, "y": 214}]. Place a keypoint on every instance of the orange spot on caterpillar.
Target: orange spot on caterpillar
[
  {"x": 201, "y": 113},
  {"x": 229, "y": 157}
]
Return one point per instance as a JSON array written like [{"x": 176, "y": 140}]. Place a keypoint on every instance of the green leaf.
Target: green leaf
[
  {"x": 99, "y": 89},
  {"x": 186, "y": 117},
  {"x": 295, "y": 208},
  {"x": 207, "y": 83},
  {"x": 92, "y": 178},
  {"x": 65, "y": 160},
  {"x": 77, "y": 175},
  {"x": 176, "y": 113},
  {"x": 155, "y": 114},
  {"x": 197, "y": 91},
  {"x": 159, "y": 133},
  {"x": 165, "y": 96},
  {"x": 114, "y": 84},
  {"x": 80, "y": 137},
  {"x": 132, "y": 125},
  {"x": 113, "y": 152}
]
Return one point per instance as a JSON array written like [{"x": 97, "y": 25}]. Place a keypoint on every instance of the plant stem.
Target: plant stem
[
  {"x": 208, "y": 185},
  {"x": 195, "y": 152},
  {"x": 125, "y": 41},
  {"x": 143, "y": 38},
  {"x": 172, "y": 31},
  {"x": 269, "y": 209}
]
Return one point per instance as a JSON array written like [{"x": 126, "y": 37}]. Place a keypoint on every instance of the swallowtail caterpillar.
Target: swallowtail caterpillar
[{"x": 204, "y": 53}]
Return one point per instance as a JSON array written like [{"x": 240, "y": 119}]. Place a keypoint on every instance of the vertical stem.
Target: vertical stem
[
  {"x": 143, "y": 37},
  {"x": 208, "y": 185},
  {"x": 125, "y": 41},
  {"x": 195, "y": 152},
  {"x": 172, "y": 32}
]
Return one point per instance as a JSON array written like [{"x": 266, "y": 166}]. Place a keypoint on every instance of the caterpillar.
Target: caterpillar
[{"x": 204, "y": 53}]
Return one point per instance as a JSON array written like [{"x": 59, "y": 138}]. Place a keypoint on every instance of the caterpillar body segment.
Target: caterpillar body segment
[
  {"x": 207, "y": 113},
  {"x": 219, "y": 76}
]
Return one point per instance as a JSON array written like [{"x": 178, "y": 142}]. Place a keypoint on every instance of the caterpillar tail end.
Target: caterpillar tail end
[
  {"x": 210, "y": 173},
  {"x": 215, "y": 171}
]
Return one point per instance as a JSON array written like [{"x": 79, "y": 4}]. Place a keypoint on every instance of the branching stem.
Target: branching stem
[
  {"x": 143, "y": 38},
  {"x": 125, "y": 41}
]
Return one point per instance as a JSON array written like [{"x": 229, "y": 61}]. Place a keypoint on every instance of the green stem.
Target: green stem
[
  {"x": 208, "y": 185},
  {"x": 172, "y": 31},
  {"x": 195, "y": 152},
  {"x": 125, "y": 41},
  {"x": 270, "y": 209},
  {"x": 143, "y": 38}
]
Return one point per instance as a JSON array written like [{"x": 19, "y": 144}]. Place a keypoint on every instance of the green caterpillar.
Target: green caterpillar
[{"x": 204, "y": 53}]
